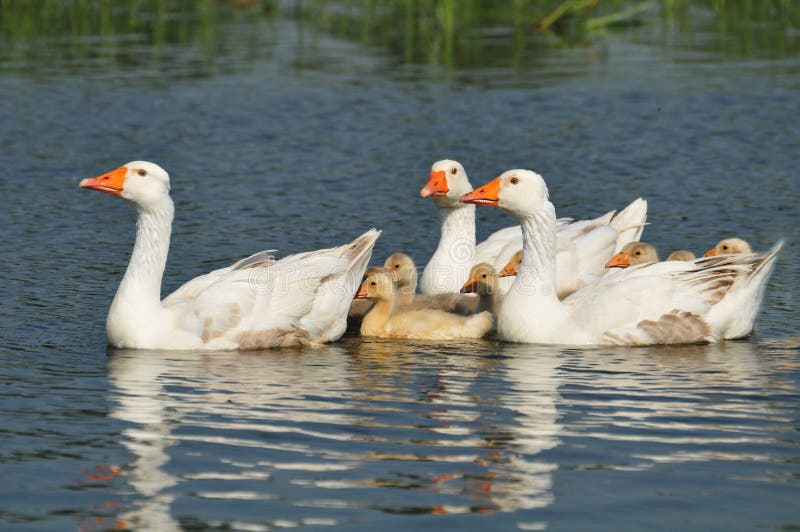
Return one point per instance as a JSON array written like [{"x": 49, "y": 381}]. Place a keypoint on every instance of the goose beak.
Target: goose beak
[
  {"x": 485, "y": 195},
  {"x": 437, "y": 186},
  {"x": 508, "y": 270},
  {"x": 470, "y": 287},
  {"x": 111, "y": 183},
  {"x": 710, "y": 253},
  {"x": 620, "y": 260}
]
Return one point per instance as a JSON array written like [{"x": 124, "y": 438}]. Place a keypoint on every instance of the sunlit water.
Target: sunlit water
[{"x": 288, "y": 139}]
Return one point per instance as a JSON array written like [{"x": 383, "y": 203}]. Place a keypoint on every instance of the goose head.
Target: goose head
[
  {"x": 139, "y": 182},
  {"x": 402, "y": 269},
  {"x": 729, "y": 246},
  {"x": 512, "y": 266},
  {"x": 632, "y": 254},
  {"x": 681, "y": 255},
  {"x": 447, "y": 183},
  {"x": 518, "y": 192},
  {"x": 482, "y": 280},
  {"x": 379, "y": 285}
]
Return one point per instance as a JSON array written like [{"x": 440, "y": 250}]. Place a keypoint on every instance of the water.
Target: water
[{"x": 283, "y": 134}]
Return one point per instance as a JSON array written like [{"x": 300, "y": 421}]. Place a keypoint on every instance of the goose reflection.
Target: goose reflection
[
  {"x": 401, "y": 427},
  {"x": 224, "y": 407}
]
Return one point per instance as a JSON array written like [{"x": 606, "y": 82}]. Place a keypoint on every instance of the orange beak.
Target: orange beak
[
  {"x": 509, "y": 269},
  {"x": 485, "y": 195},
  {"x": 620, "y": 260},
  {"x": 112, "y": 182},
  {"x": 437, "y": 186},
  {"x": 471, "y": 286},
  {"x": 362, "y": 291},
  {"x": 711, "y": 252}
]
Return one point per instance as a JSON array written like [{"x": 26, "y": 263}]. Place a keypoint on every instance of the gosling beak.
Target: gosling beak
[
  {"x": 710, "y": 253},
  {"x": 362, "y": 292},
  {"x": 509, "y": 270},
  {"x": 437, "y": 186},
  {"x": 470, "y": 287},
  {"x": 620, "y": 260},
  {"x": 111, "y": 183},
  {"x": 485, "y": 195}
]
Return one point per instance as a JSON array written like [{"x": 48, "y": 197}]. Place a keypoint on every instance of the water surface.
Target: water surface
[{"x": 294, "y": 130}]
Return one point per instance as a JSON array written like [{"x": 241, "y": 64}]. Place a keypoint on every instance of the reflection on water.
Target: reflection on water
[
  {"x": 208, "y": 38},
  {"x": 313, "y": 436}
]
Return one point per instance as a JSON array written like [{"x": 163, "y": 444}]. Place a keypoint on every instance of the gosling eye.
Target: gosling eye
[
  {"x": 454, "y": 170},
  {"x": 638, "y": 252},
  {"x": 483, "y": 276},
  {"x": 373, "y": 283},
  {"x": 725, "y": 247},
  {"x": 514, "y": 180},
  {"x": 141, "y": 173},
  {"x": 396, "y": 266}
]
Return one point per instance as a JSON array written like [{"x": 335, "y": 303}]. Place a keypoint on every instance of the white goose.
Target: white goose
[
  {"x": 257, "y": 302},
  {"x": 583, "y": 246},
  {"x": 656, "y": 303}
]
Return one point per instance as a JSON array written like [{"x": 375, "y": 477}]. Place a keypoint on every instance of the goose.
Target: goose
[
  {"x": 257, "y": 302},
  {"x": 729, "y": 246},
  {"x": 484, "y": 281},
  {"x": 385, "y": 320},
  {"x": 681, "y": 255},
  {"x": 583, "y": 246},
  {"x": 655, "y": 303}
]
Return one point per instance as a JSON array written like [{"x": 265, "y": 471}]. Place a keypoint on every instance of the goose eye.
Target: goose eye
[
  {"x": 454, "y": 170},
  {"x": 141, "y": 173},
  {"x": 514, "y": 180}
]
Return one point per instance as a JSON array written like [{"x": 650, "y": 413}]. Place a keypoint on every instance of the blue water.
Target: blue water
[{"x": 278, "y": 135}]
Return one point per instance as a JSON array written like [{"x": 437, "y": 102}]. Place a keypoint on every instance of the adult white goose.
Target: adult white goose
[
  {"x": 257, "y": 302},
  {"x": 656, "y": 303},
  {"x": 583, "y": 246}
]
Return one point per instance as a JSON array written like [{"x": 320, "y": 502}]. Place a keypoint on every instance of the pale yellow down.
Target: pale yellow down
[
  {"x": 404, "y": 274},
  {"x": 385, "y": 320},
  {"x": 484, "y": 281},
  {"x": 730, "y": 246},
  {"x": 681, "y": 255}
]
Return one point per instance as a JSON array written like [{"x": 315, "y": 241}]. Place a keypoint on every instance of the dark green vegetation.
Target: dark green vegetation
[{"x": 458, "y": 33}]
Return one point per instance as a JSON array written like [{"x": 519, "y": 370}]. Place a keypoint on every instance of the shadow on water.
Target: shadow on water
[{"x": 400, "y": 428}]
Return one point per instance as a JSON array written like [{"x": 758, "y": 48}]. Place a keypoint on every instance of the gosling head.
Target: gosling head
[
  {"x": 482, "y": 280},
  {"x": 632, "y": 254},
  {"x": 512, "y": 266},
  {"x": 683, "y": 255},
  {"x": 402, "y": 269},
  {"x": 729, "y": 246},
  {"x": 377, "y": 286}
]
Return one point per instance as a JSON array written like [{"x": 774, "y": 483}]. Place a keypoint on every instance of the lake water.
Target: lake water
[{"x": 279, "y": 132}]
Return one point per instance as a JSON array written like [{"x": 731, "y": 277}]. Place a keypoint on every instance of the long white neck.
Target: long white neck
[
  {"x": 448, "y": 269},
  {"x": 138, "y": 297},
  {"x": 538, "y": 267}
]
